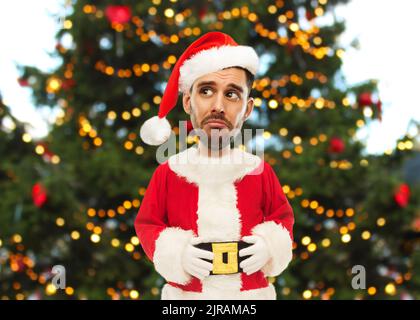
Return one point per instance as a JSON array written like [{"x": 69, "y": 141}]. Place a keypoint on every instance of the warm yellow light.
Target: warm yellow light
[
  {"x": 127, "y": 204},
  {"x": 97, "y": 230},
  {"x": 139, "y": 150},
  {"x": 294, "y": 27},
  {"x": 55, "y": 159},
  {"x": 17, "y": 238},
  {"x": 307, "y": 294},
  {"x": 26, "y": 137},
  {"x": 115, "y": 242},
  {"x": 69, "y": 291},
  {"x": 266, "y": 135},
  {"x": 381, "y": 222},
  {"x": 169, "y": 13},
  {"x": 126, "y": 115},
  {"x": 283, "y": 132},
  {"x": 390, "y": 289},
  {"x": 365, "y": 235},
  {"x": 297, "y": 140},
  {"x": 372, "y": 291},
  {"x": 313, "y": 204},
  {"x": 129, "y": 247},
  {"x": 157, "y": 99},
  {"x": 136, "y": 112},
  {"x": 95, "y": 238},
  {"x": 50, "y": 289},
  {"x": 97, "y": 141},
  {"x": 306, "y": 240},
  {"x": 282, "y": 18},
  {"x": 312, "y": 247},
  {"x": 91, "y": 212},
  {"x": 67, "y": 24},
  {"x": 134, "y": 294},
  {"x": 344, "y": 230},
  {"x": 60, "y": 222},
  {"x": 39, "y": 149},
  {"x": 75, "y": 235},
  {"x": 326, "y": 243},
  {"x": 112, "y": 115},
  {"x": 135, "y": 241},
  {"x": 346, "y": 238},
  {"x": 273, "y": 104}
]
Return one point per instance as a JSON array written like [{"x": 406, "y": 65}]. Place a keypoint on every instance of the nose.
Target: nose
[{"x": 218, "y": 105}]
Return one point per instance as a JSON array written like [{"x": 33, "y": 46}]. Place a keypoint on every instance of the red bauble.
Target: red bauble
[
  {"x": 39, "y": 195},
  {"x": 365, "y": 99},
  {"x": 402, "y": 195},
  {"x": 337, "y": 145},
  {"x": 118, "y": 14},
  {"x": 202, "y": 12},
  {"x": 309, "y": 15},
  {"x": 68, "y": 84},
  {"x": 23, "y": 82}
]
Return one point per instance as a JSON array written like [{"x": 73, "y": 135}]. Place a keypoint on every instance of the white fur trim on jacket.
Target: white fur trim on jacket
[
  {"x": 168, "y": 252},
  {"x": 172, "y": 293},
  {"x": 279, "y": 244},
  {"x": 215, "y": 59}
]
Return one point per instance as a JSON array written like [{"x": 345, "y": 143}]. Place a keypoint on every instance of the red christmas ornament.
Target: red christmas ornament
[
  {"x": 118, "y": 14},
  {"x": 23, "y": 82},
  {"x": 337, "y": 145},
  {"x": 39, "y": 195},
  {"x": 202, "y": 12},
  {"x": 68, "y": 84},
  {"x": 309, "y": 15},
  {"x": 402, "y": 195},
  {"x": 365, "y": 99}
]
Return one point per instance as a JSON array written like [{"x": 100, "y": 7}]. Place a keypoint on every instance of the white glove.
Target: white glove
[
  {"x": 259, "y": 254},
  {"x": 192, "y": 260}
]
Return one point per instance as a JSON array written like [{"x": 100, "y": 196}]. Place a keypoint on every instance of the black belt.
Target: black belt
[{"x": 226, "y": 256}]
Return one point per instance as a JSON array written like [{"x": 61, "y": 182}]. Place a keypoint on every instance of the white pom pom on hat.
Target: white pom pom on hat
[{"x": 212, "y": 52}]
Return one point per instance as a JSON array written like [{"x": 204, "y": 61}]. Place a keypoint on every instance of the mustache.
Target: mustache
[{"x": 220, "y": 117}]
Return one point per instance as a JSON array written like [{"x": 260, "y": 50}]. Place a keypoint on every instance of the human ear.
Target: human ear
[
  {"x": 186, "y": 102},
  {"x": 249, "y": 108}
]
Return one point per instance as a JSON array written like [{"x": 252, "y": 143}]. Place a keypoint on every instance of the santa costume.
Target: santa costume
[{"x": 220, "y": 200}]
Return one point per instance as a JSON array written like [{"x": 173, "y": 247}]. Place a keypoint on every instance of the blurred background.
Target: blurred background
[{"x": 336, "y": 94}]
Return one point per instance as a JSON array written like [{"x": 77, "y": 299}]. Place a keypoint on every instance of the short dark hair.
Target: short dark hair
[{"x": 249, "y": 78}]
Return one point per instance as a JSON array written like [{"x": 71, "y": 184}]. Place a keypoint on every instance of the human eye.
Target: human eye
[
  {"x": 206, "y": 91},
  {"x": 233, "y": 95}
]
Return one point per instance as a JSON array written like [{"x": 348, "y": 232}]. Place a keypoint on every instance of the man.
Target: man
[{"x": 214, "y": 219}]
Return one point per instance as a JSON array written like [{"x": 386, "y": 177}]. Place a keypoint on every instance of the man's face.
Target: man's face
[{"x": 219, "y": 105}]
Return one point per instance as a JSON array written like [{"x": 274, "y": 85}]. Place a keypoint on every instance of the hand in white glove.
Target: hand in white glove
[
  {"x": 259, "y": 254},
  {"x": 192, "y": 260}
]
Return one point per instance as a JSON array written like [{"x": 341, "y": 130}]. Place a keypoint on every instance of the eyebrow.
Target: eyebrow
[{"x": 212, "y": 83}]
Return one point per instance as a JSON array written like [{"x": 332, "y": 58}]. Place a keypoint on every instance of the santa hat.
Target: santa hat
[{"x": 211, "y": 52}]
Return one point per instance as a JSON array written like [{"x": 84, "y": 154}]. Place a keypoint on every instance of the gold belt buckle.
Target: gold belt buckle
[{"x": 225, "y": 257}]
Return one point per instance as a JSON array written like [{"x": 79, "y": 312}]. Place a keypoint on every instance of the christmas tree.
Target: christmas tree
[{"x": 71, "y": 198}]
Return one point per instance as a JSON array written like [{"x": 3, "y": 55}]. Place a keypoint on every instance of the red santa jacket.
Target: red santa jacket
[{"x": 216, "y": 199}]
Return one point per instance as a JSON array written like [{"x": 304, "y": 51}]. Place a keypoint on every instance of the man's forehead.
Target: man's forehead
[{"x": 225, "y": 77}]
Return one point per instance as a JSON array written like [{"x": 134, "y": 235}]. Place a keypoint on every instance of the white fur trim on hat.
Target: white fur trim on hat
[
  {"x": 215, "y": 59},
  {"x": 155, "y": 131}
]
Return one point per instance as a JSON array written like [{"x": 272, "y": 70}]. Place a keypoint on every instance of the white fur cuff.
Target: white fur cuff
[
  {"x": 168, "y": 254},
  {"x": 279, "y": 244}
]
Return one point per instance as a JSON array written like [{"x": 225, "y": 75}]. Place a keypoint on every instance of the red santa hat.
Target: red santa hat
[{"x": 212, "y": 52}]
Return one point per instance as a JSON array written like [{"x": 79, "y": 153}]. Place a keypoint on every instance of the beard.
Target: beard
[{"x": 217, "y": 139}]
